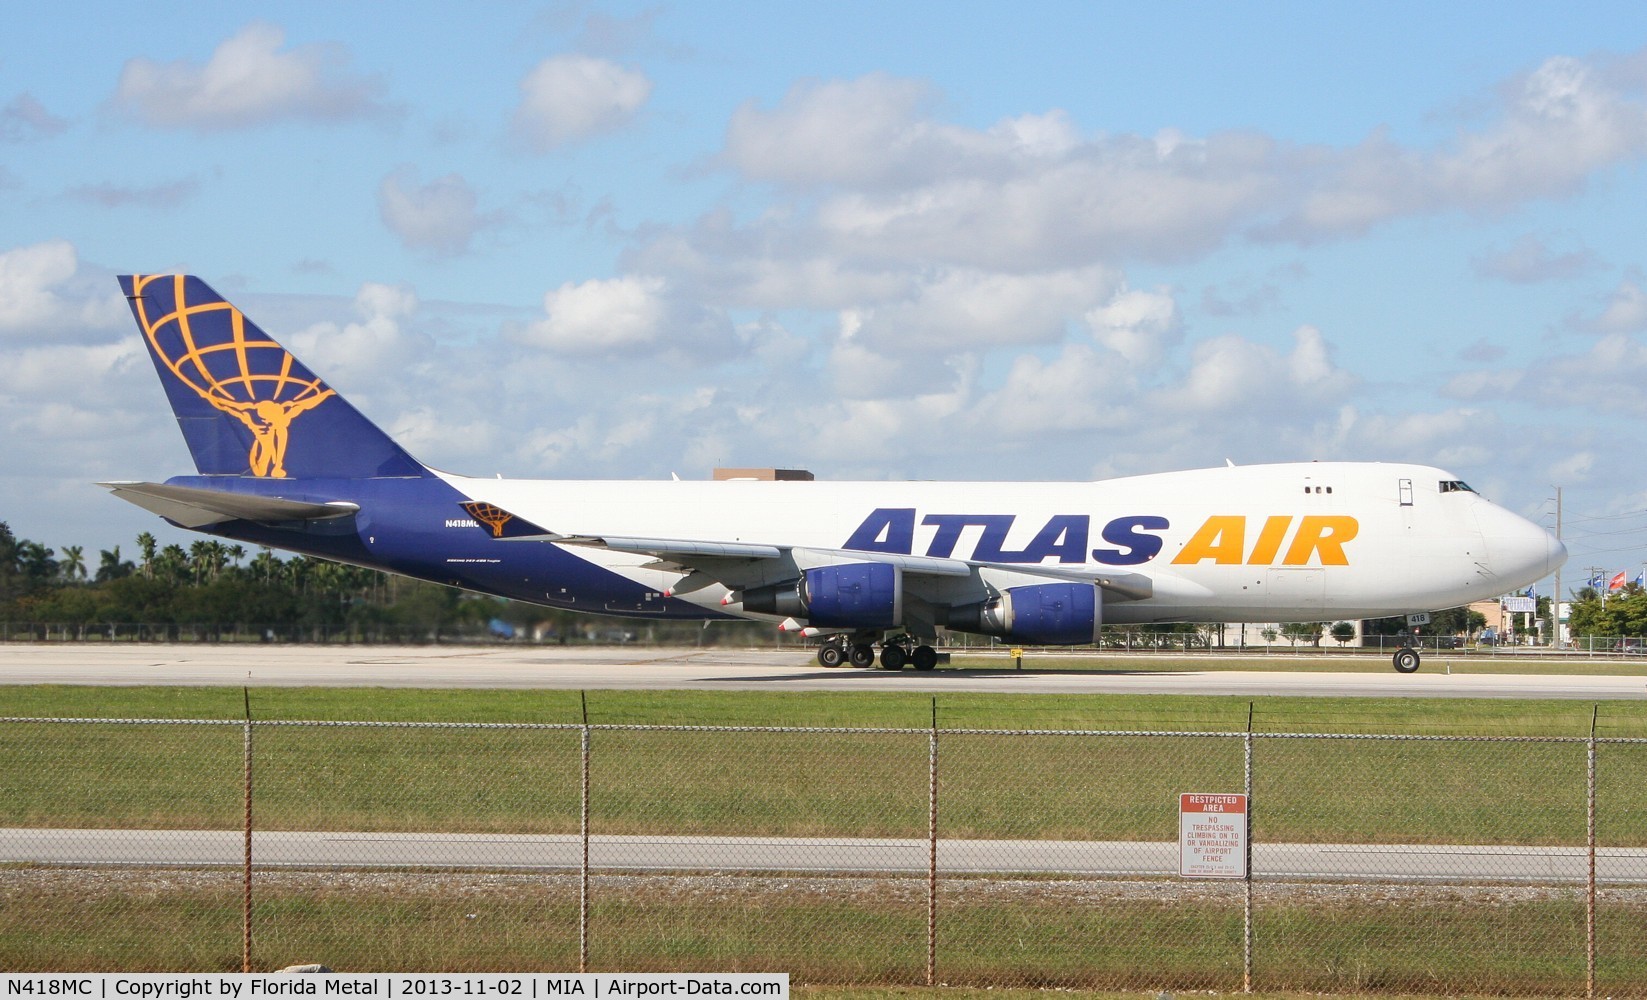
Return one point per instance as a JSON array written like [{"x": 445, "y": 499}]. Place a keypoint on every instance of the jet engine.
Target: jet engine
[
  {"x": 1048, "y": 614},
  {"x": 854, "y": 595}
]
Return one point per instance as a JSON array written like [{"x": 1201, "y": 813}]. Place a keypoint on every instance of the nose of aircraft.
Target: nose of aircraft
[{"x": 1519, "y": 552}]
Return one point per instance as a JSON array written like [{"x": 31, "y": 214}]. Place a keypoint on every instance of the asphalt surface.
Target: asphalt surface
[
  {"x": 902, "y": 857},
  {"x": 591, "y": 668}
]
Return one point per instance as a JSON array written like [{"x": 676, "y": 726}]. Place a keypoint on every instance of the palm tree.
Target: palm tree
[
  {"x": 73, "y": 565},
  {"x": 264, "y": 565},
  {"x": 200, "y": 560},
  {"x": 110, "y": 567},
  {"x": 146, "y": 545},
  {"x": 172, "y": 564}
]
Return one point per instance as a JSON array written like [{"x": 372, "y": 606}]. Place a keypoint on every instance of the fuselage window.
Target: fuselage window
[{"x": 1455, "y": 486}]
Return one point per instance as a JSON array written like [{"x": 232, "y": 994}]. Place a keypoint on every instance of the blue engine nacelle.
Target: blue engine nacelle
[
  {"x": 856, "y": 595},
  {"x": 1048, "y": 614}
]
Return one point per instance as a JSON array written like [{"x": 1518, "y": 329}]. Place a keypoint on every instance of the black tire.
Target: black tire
[
  {"x": 831, "y": 655},
  {"x": 924, "y": 658},
  {"x": 862, "y": 655},
  {"x": 1406, "y": 660},
  {"x": 893, "y": 657}
]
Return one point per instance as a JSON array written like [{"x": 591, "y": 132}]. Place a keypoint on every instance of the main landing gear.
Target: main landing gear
[
  {"x": 1406, "y": 659},
  {"x": 896, "y": 653}
]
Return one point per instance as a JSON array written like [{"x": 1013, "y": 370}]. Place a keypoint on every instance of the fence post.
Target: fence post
[
  {"x": 1590, "y": 841},
  {"x": 932, "y": 852},
  {"x": 583, "y": 827},
  {"x": 1246, "y": 906},
  {"x": 246, "y": 901}
]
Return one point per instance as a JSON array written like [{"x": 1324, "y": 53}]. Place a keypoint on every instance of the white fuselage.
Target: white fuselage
[{"x": 1299, "y": 542}]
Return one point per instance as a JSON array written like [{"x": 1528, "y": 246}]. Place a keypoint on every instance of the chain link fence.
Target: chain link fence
[{"x": 1399, "y": 864}]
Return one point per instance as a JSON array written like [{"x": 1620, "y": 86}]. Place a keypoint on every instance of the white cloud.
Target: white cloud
[
  {"x": 863, "y": 132},
  {"x": 602, "y": 316},
  {"x": 248, "y": 81},
  {"x": 440, "y": 216},
  {"x": 1081, "y": 390},
  {"x": 1558, "y": 125},
  {"x": 966, "y": 308},
  {"x": 569, "y": 98},
  {"x": 357, "y": 353},
  {"x": 43, "y": 290},
  {"x": 885, "y": 180},
  {"x": 1140, "y": 326},
  {"x": 1604, "y": 380},
  {"x": 858, "y": 371},
  {"x": 1236, "y": 378},
  {"x": 77, "y": 373},
  {"x": 1574, "y": 468},
  {"x": 1626, "y": 309},
  {"x": 425, "y": 431},
  {"x": 1106, "y": 200},
  {"x": 1432, "y": 435}
]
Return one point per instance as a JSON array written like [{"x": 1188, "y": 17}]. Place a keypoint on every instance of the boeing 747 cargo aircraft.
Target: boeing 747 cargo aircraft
[{"x": 283, "y": 460}]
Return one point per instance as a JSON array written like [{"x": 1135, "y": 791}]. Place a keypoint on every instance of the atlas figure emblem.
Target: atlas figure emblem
[{"x": 251, "y": 378}]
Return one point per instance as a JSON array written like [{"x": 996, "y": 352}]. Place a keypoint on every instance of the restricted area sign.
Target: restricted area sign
[{"x": 1212, "y": 835}]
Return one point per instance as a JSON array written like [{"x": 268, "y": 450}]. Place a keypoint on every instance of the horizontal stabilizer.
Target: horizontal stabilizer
[{"x": 193, "y": 507}]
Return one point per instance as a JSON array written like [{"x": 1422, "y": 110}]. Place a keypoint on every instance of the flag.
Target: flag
[
  {"x": 1616, "y": 582},
  {"x": 1595, "y": 581},
  {"x": 1640, "y": 576}
]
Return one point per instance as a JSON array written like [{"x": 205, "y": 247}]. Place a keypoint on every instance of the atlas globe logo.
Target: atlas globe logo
[{"x": 240, "y": 372}]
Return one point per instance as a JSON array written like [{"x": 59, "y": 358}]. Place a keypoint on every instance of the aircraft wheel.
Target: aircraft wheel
[
  {"x": 924, "y": 658},
  {"x": 831, "y": 655},
  {"x": 863, "y": 655},
  {"x": 893, "y": 657},
  {"x": 1406, "y": 660}
]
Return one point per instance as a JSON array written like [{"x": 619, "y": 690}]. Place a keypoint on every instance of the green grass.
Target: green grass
[
  {"x": 900, "y": 710},
  {"x": 824, "y": 931},
  {"x": 998, "y": 784},
  {"x": 995, "y": 784}
]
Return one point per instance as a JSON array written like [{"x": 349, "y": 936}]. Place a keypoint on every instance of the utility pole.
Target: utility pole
[{"x": 1555, "y": 602}]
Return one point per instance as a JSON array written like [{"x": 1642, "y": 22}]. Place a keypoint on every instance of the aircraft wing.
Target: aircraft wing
[
  {"x": 743, "y": 565},
  {"x": 193, "y": 507}
]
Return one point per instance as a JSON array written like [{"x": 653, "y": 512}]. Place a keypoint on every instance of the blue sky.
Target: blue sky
[{"x": 884, "y": 241}]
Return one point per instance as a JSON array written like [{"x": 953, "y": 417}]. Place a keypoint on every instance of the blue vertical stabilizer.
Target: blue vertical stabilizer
[{"x": 246, "y": 406}]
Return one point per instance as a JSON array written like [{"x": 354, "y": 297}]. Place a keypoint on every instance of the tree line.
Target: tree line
[
  {"x": 212, "y": 583},
  {"x": 221, "y": 585}
]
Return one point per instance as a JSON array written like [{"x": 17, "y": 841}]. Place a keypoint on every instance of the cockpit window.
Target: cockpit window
[{"x": 1455, "y": 486}]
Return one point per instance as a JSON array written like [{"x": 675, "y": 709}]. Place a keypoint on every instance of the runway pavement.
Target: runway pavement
[
  {"x": 628, "y": 667},
  {"x": 892, "y": 857}
]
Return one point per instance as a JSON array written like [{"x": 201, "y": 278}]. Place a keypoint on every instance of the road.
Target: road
[
  {"x": 902, "y": 857},
  {"x": 592, "y": 668}
]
